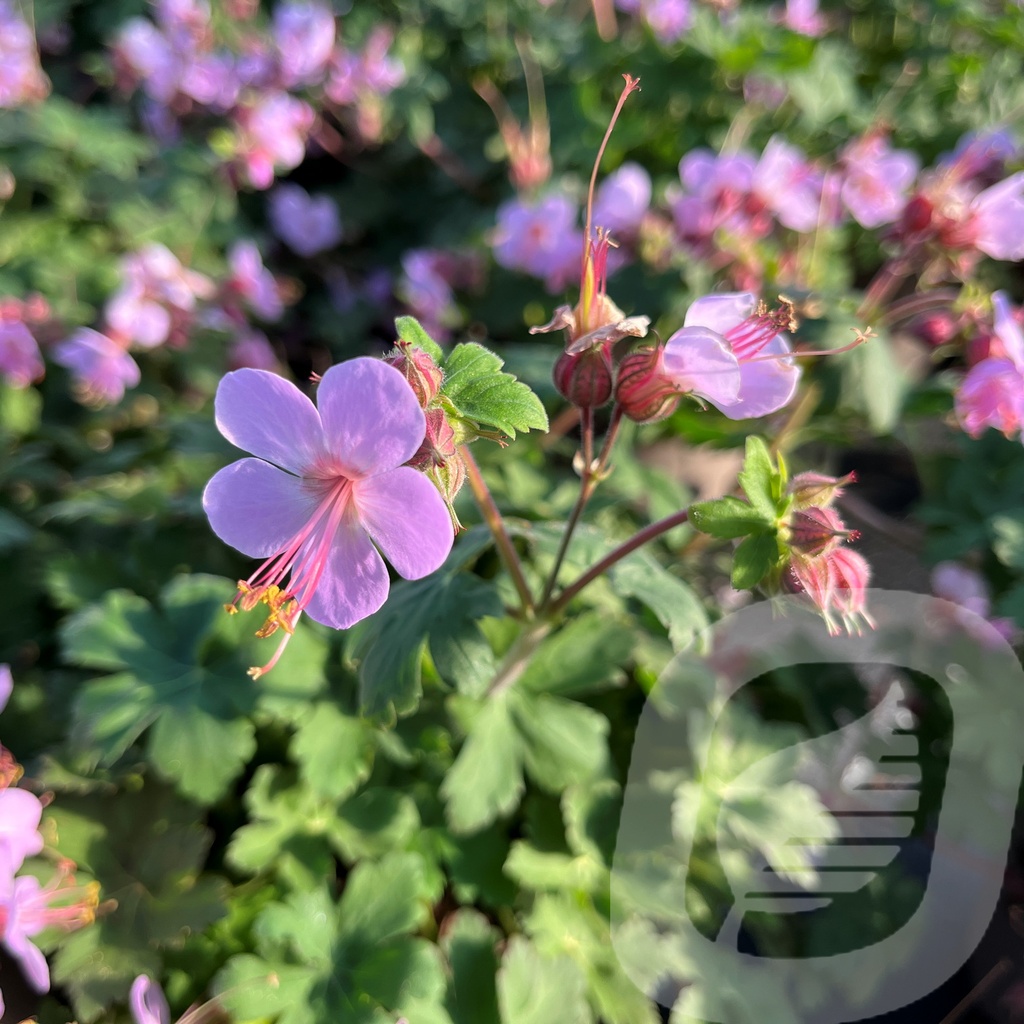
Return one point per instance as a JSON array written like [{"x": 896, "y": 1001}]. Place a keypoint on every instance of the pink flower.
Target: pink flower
[
  {"x": 304, "y": 36},
  {"x": 26, "y": 908},
  {"x": 20, "y": 361},
  {"x": 21, "y": 78},
  {"x": 802, "y": 16},
  {"x": 622, "y": 199},
  {"x": 992, "y": 393},
  {"x": 540, "y": 238},
  {"x": 272, "y": 132},
  {"x": 836, "y": 581},
  {"x": 148, "y": 1003},
  {"x": 101, "y": 368},
  {"x": 731, "y": 351},
  {"x": 253, "y": 282},
  {"x": 327, "y": 484},
  {"x": 20, "y": 812},
  {"x": 251, "y": 348},
  {"x": 788, "y": 185},
  {"x": 997, "y": 219},
  {"x": 876, "y": 180},
  {"x": 6, "y": 685},
  {"x": 307, "y": 224}
]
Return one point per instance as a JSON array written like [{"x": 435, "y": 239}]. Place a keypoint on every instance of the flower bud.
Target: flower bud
[
  {"x": 419, "y": 369},
  {"x": 917, "y": 215},
  {"x": 438, "y": 443},
  {"x": 585, "y": 378},
  {"x": 809, "y": 489},
  {"x": 644, "y": 392},
  {"x": 814, "y": 531}
]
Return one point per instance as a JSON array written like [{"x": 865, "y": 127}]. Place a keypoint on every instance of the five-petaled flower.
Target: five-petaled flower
[{"x": 327, "y": 488}]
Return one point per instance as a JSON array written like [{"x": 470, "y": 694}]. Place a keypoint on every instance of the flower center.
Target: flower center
[{"x": 751, "y": 335}]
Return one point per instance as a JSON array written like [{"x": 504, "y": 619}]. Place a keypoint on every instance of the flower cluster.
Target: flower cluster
[
  {"x": 183, "y": 67},
  {"x": 21, "y": 362},
  {"x": 26, "y": 906}
]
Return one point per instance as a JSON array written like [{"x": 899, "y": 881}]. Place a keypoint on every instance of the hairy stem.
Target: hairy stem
[
  {"x": 638, "y": 540},
  {"x": 518, "y": 657},
  {"x": 495, "y": 523}
]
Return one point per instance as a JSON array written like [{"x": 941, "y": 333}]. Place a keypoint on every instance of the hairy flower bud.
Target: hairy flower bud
[
  {"x": 585, "y": 378},
  {"x": 419, "y": 369},
  {"x": 815, "y": 531},
  {"x": 438, "y": 442},
  {"x": 810, "y": 488},
  {"x": 917, "y": 215},
  {"x": 642, "y": 389}
]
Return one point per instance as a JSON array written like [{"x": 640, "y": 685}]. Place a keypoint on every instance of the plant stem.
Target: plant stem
[
  {"x": 518, "y": 657},
  {"x": 912, "y": 305},
  {"x": 648, "y": 533},
  {"x": 492, "y": 517},
  {"x": 588, "y": 482}
]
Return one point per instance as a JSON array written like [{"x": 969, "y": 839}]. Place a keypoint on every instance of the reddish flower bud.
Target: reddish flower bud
[
  {"x": 419, "y": 369},
  {"x": 814, "y": 531},
  {"x": 936, "y": 328},
  {"x": 438, "y": 442},
  {"x": 642, "y": 389},
  {"x": 585, "y": 378},
  {"x": 809, "y": 489},
  {"x": 917, "y": 215}
]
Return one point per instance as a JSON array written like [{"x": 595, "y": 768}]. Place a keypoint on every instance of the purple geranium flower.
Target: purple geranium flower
[
  {"x": 20, "y": 812},
  {"x": 622, "y": 199},
  {"x": 101, "y": 368},
  {"x": 876, "y": 180},
  {"x": 669, "y": 20},
  {"x": 21, "y": 78},
  {"x": 20, "y": 361},
  {"x": 996, "y": 219},
  {"x": 540, "y": 238},
  {"x": 304, "y": 36},
  {"x": 272, "y": 132},
  {"x": 754, "y": 336},
  {"x": 992, "y": 393},
  {"x": 307, "y": 224},
  {"x": 328, "y": 484},
  {"x": 788, "y": 185},
  {"x": 252, "y": 281}
]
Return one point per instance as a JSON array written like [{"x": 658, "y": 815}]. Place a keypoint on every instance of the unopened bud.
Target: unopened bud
[
  {"x": 809, "y": 489},
  {"x": 917, "y": 215},
  {"x": 814, "y": 531},
  {"x": 585, "y": 378},
  {"x": 419, "y": 369},
  {"x": 643, "y": 391},
  {"x": 438, "y": 443}
]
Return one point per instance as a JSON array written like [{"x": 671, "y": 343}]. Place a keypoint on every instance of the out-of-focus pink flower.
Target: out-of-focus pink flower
[
  {"x": 876, "y": 180},
  {"x": 669, "y": 20},
  {"x": 968, "y": 589},
  {"x": 803, "y": 16},
  {"x": 716, "y": 194},
  {"x": 996, "y": 218},
  {"x": 20, "y": 812},
  {"x": 304, "y": 36},
  {"x": 28, "y": 907},
  {"x": 147, "y": 1002},
  {"x": 540, "y": 238},
  {"x": 307, "y": 224},
  {"x": 426, "y": 287},
  {"x": 328, "y": 484},
  {"x": 21, "y": 78},
  {"x": 102, "y": 369},
  {"x": 211, "y": 79},
  {"x": 20, "y": 359},
  {"x": 788, "y": 185},
  {"x": 251, "y": 348},
  {"x": 992, "y": 393},
  {"x": 143, "y": 54},
  {"x": 6, "y": 685},
  {"x": 271, "y": 135},
  {"x": 621, "y": 201},
  {"x": 355, "y": 76},
  {"x": 251, "y": 280}
]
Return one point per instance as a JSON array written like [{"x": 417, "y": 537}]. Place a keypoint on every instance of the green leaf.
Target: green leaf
[
  {"x": 411, "y": 331},
  {"x": 383, "y": 900},
  {"x": 584, "y": 656},
  {"x": 181, "y": 668},
  {"x": 827, "y": 89},
  {"x": 757, "y": 476},
  {"x": 480, "y": 392},
  {"x": 333, "y": 751},
  {"x": 562, "y": 742},
  {"x": 875, "y": 383},
  {"x": 533, "y": 989},
  {"x": 753, "y": 560},
  {"x": 469, "y": 943},
  {"x": 676, "y": 605},
  {"x": 443, "y": 610},
  {"x": 486, "y": 779},
  {"x": 253, "y": 989},
  {"x": 729, "y": 517}
]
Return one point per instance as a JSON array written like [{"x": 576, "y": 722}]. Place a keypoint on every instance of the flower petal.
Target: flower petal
[
  {"x": 32, "y": 962},
  {"x": 1008, "y": 329},
  {"x": 721, "y": 312},
  {"x": 699, "y": 361},
  {"x": 264, "y": 414},
  {"x": 372, "y": 420},
  {"x": 407, "y": 519},
  {"x": 148, "y": 1003},
  {"x": 765, "y": 384},
  {"x": 355, "y": 581},
  {"x": 257, "y": 508}
]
